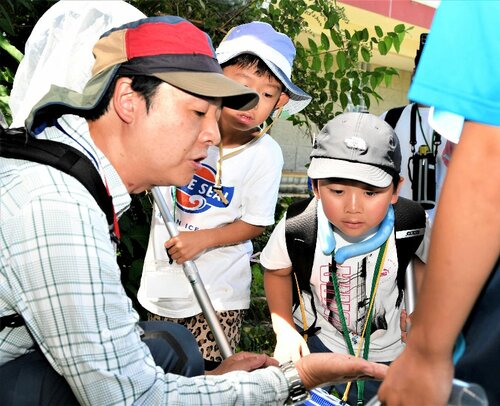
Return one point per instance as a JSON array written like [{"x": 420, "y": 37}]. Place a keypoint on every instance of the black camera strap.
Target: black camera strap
[{"x": 413, "y": 127}]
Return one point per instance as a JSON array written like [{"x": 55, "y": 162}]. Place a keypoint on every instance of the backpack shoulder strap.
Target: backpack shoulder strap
[
  {"x": 301, "y": 229},
  {"x": 393, "y": 115},
  {"x": 15, "y": 143},
  {"x": 409, "y": 227}
]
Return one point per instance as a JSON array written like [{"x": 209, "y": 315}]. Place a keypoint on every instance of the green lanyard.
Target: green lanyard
[{"x": 368, "y": 323}]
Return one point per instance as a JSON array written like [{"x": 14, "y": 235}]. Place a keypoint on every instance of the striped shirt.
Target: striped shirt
[{"x": 58, "y": 270}]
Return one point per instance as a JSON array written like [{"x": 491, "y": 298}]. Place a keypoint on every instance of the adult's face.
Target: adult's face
[{"x": 169, "y": 141}]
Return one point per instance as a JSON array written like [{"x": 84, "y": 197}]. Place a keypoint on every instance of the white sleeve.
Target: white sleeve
[
  {"x": 262, "y": 187},
  {"x": 423, "y": 250},
  {"x": 275, "y": 253}
]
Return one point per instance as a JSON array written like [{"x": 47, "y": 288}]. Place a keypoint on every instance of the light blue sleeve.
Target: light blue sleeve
[{"x": 459, "y": 70}]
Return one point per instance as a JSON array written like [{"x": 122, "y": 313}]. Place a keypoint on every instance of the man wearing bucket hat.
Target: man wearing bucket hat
[
  {"x": 68, "y": 332},
  {"x": 355, "y": 164},
  {"x": 231, "y": 199}
]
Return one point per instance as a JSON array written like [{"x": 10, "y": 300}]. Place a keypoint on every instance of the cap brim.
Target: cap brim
[
  {"x": 211, "y": 84},
  {"x": 298, "y": 98},
  {"x": 322, "y": 168}
]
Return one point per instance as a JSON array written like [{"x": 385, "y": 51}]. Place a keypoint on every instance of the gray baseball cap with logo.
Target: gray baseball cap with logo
[{"x": 356, "y": 146}]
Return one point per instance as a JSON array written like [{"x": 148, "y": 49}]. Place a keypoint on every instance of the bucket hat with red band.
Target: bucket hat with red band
[{"x": 169, "y": 48}]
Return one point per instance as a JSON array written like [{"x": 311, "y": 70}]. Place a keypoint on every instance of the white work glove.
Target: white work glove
[{"x": 290, "y": 345}]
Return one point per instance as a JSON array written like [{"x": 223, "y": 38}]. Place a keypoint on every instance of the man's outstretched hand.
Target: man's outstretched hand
[
  {"x": 314, "y": 369},
  {"x": 322, "y": 368},
  {"x": 243, "y": 361}
]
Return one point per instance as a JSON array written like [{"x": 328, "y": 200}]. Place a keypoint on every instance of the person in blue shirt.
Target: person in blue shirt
[{"x": 459, "y": 75}]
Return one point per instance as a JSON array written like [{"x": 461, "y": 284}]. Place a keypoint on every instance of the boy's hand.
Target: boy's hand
[
  {"x": 186, "y": 245},
  {"x": 290, "y": 345}
]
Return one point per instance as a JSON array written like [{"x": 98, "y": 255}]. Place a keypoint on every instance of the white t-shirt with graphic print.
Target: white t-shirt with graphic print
[
  {"x": 250, "y": 181},
  {"x": 355, "y": 277}
]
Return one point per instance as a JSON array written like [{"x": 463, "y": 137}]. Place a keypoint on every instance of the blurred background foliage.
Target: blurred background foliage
[{"x": 333, "y": 67}]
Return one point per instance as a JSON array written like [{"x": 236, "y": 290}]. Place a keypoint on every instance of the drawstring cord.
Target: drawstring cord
[{"x": 218, "y": 176}]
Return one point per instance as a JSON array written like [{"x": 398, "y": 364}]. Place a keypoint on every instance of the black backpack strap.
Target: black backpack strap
[
  {"x": 392, "y": 116},
  {"x": 301, "y": 229},
  {"x": 15, "y": 143},
  {"x": 409, "y": 227}
]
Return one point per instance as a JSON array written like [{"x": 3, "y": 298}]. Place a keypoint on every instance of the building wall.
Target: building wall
[{"x": 296, "y": 144}]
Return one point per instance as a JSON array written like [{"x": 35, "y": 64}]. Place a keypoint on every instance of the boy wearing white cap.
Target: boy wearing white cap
[
  {"x": 231, "y": 198},
  {"x": 351, "y": 286}
]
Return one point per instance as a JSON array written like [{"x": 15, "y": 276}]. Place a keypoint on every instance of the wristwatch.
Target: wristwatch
[{"x": 296, "y": 389}]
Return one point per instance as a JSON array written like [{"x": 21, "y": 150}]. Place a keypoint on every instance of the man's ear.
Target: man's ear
[
  {"x": 124, "y": 99},
  {"x": 395, "y": 193}
]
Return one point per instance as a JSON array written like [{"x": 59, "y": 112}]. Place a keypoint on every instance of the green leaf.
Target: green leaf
[
  {"x": 316, "y": 63},
  {"x": 341, "y": 60},
  {"x": 331, "y": 21},
  {"x": 379, "y": 31},
  {"x": 343, "y": 100},
  {"x": 312, "y": 46},
  {"x": 388, "y": 42},
  {"x": 397, "y": 44},
  {"x": 365, "y": 53},
  {"x": 323, "y": 97},
  {"x": 325, "y": 42},
  {"x": 365, "y": 35},
  {"x": 382, "y": 48},
  {"x": 336, "y": 38},
  {"x": 345, "y": 85},
  {"x": 355, "y": 99},
  {"x": 399, "y": 28},
  {"x": 401, "y": 37},
  {"x": 367, "y": 100},
  {"x": 328, "y": 62}
]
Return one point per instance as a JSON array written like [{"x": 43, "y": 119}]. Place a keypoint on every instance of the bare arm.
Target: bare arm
[
  {"x": 187, "y": 245},
  {"x": 278, "y": 287},
  {"x": 465, "y": 247}
]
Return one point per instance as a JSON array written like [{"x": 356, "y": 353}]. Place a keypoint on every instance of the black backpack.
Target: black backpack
[
  {"x": 301, "y": 230},
  {"x": 17, "y": 144}
]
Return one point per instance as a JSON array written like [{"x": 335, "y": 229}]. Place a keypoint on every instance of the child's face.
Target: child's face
[
  {"x": 354, "y": 207},
  {"x": 270, "y": 93}
]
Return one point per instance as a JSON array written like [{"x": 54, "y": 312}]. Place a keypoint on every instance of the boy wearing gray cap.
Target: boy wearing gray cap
[
  {"x": 231, "y": 198},
  {"x": 348, "y": 281}
]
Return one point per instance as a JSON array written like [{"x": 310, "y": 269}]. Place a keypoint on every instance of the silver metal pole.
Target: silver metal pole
[
  {"x": 194, "y": 279},
  {"x": 410, "y": 288}
]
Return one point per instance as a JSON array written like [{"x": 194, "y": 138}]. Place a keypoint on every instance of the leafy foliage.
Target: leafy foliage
[{"x": 333, "y": 67}]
